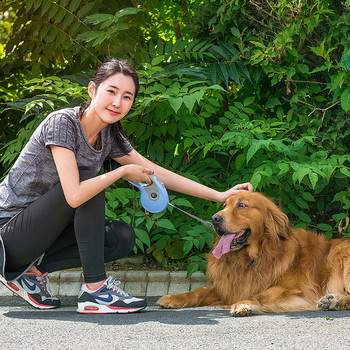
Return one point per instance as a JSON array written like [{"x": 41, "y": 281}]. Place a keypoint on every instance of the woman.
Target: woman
[{"x": 52, "y": 201}]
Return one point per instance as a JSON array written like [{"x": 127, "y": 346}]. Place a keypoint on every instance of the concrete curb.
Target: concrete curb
[{"x": 136, "y": 283}]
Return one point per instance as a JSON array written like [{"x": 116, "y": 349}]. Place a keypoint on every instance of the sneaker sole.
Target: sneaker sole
[
  {"x": 93, "y": 308},
  {"x": 20, "y": 292}
]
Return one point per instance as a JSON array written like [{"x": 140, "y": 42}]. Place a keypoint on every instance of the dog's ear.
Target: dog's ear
[{"x": 276, "y": 221}]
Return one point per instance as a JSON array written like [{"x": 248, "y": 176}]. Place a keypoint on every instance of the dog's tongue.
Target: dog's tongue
[{"x": 224, "y": 244}]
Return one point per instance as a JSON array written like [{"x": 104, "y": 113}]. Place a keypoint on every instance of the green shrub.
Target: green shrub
[{"x": 260, "y": 96}]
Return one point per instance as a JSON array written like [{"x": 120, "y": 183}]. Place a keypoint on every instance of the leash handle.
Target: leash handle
[{"x": 206, "y": 223}]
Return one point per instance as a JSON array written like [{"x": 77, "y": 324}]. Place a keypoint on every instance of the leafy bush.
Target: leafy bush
[
  {"x": 39, "y": 97},
  {"x": 262, "y": 95}
]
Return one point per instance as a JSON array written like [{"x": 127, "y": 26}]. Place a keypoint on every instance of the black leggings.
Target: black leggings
[{"x": 68, "y": 237}]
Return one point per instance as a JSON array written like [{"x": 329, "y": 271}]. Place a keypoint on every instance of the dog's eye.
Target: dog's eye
[
  {"x": 224, "y": 205},
  {"x": 241, "y": 205}
]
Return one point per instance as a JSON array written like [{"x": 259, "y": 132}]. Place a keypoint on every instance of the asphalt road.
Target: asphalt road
[{"x": 23, "y": 327}]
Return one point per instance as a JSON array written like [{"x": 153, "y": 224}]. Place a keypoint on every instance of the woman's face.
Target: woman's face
[{"x": 113, "y": 98}]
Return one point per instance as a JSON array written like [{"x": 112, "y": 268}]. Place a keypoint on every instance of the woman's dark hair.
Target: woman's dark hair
[
  {"x": 103, "y": 72},
  {"x": 115, "y": 66}
]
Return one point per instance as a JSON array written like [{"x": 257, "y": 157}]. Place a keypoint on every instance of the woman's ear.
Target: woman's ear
[{"x": 91, "y": 89}]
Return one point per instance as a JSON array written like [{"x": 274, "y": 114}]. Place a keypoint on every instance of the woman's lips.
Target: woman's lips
[{"x": 112, "y": 112}]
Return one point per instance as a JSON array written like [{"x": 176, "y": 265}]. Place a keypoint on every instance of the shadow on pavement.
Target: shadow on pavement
[
  {"x": 21, "y": 310},
  {"x": 199, "y": 316},
  {"x": 183, "y": 317}
]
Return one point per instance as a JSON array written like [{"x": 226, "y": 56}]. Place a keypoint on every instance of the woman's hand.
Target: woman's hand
[
  {"x": 137, "y": 173},
  {"x": 234, "y": 190}
]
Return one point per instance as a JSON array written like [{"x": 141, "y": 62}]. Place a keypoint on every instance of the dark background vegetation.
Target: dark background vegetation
[{"x": 231, "y": 91}]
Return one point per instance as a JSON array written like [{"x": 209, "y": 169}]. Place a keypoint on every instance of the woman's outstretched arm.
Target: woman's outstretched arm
[{"x": 179, "y": 183}]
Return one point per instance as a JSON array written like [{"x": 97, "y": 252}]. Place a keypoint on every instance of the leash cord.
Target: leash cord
[{"x": 206, "y": 223}]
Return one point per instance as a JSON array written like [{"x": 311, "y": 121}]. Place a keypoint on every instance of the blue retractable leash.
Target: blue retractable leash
[{"x": 154, "y": 198}]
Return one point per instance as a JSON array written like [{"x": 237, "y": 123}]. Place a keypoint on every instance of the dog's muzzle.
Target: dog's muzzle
[{"x": 229, "y": 240}]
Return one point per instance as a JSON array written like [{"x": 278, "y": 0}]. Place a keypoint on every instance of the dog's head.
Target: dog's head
[{"x": 249, "y": 220}]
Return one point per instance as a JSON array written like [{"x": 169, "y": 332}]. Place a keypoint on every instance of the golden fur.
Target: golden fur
[{"x": 277, "y": 269}]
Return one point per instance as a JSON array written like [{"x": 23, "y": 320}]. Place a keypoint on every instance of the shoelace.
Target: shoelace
[
  {"x": 43, "y": 281},
  {"x": 114, "y": 285}
]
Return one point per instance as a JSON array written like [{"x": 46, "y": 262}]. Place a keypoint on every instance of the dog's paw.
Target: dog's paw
[
  {"x": 165, "y": 302},
  {"x": 328, "y": 302},
  {"x": 169, "y": 302},
  {"x": 241, "y": 309}
]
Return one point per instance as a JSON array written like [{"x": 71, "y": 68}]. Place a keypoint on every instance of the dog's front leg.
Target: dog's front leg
[
  {"x": 275, "y": 299},
  {"x": 203, "y": 296}
]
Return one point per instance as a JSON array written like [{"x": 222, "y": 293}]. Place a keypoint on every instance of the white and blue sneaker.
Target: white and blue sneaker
[
  {"x": 109, "y": 298},
  {"x": 34, "y": 289}
]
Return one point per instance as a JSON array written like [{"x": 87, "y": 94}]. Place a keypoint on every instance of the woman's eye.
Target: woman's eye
[
  {"x": 111, "y": 91},
  {"x": 241, "y": 205}
]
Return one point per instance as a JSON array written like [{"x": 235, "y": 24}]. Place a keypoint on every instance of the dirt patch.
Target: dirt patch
[
  {"x": 140, "y": 263},
  {"x": 143, "y": 263},
  {"x": 143, "y": 266}
]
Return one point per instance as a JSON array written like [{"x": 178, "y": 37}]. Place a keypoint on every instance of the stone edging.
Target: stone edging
[{"x": 137, "y": 283}]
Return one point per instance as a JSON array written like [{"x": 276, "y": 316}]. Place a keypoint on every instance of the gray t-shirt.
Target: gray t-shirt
[{"x": 34, "y": 172}]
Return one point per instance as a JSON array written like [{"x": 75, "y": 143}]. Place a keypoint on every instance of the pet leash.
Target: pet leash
[
  {"x": 204, "y": 222},
  {"x": 154, "y": 198}
]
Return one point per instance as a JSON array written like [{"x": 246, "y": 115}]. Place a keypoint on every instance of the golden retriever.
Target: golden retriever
[{"x": 260, "y": 264}]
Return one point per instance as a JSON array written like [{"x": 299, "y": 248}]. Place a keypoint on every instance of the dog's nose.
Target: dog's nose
[{"x": 217, "y": 219}]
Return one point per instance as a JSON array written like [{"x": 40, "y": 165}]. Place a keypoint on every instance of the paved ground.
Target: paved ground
[{"x": 23, "y": 327}]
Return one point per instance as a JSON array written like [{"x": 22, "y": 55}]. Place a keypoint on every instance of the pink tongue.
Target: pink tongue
[{"x": 223, "y": 246}]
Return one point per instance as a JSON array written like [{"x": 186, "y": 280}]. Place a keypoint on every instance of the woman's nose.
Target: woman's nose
[{"x": 116, "y": 101}]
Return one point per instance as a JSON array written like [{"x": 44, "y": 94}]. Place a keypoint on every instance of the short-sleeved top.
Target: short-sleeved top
[{"x": 34, "y": 172}]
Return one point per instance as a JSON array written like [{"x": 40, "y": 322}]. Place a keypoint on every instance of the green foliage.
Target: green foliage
[
  {"x": 251, "y": 91},
  {"x": 107, "y": 28},
  {"x": 6, "y": 22},
  {"x": 48, "y": 34},
  {"x": 39, "y": 97},
  {"x": 298, "y": 139},
  {"x": 166, "y": 235},
  {"x": 64, "y": 33}
]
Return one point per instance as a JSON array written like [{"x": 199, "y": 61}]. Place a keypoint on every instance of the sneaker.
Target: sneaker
[
  {"x": 109, "y": 298},
  {"x": 33, "y": 289}
]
